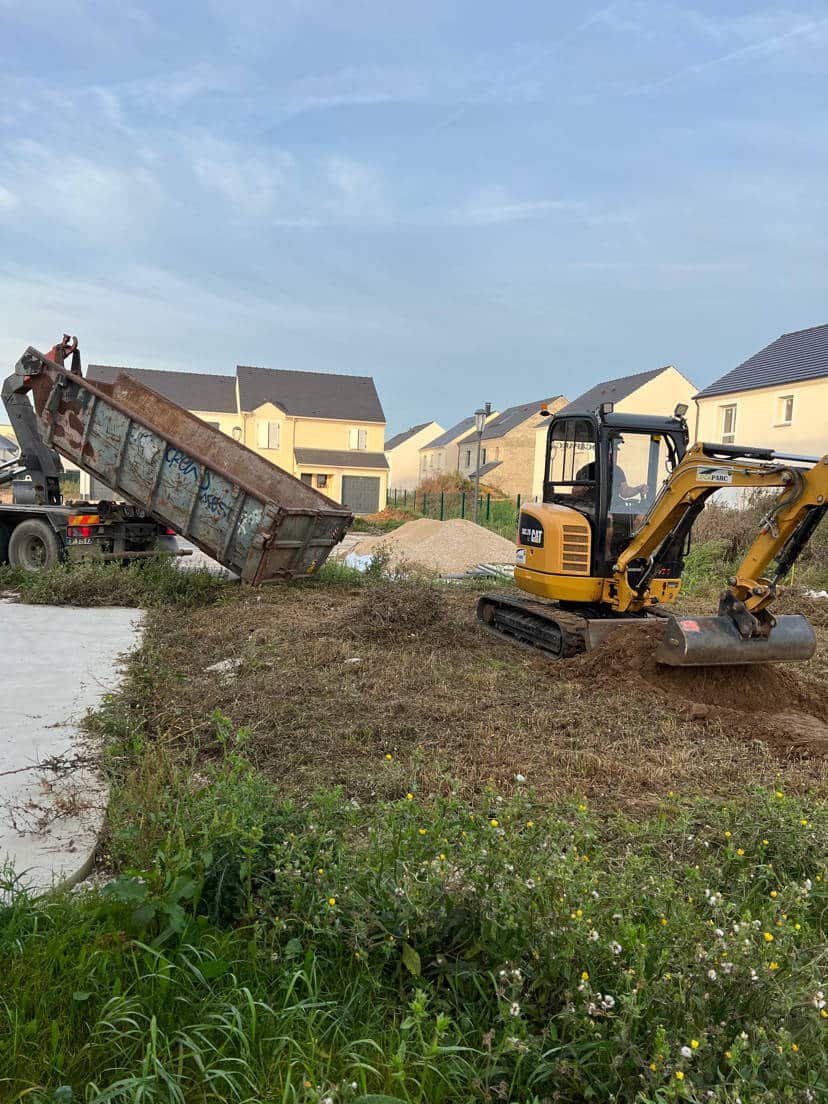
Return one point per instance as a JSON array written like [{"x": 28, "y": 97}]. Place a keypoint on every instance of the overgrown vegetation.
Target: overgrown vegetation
[
  {"x": 145, "y": 584},
  {"x": 258, "y": 949}
]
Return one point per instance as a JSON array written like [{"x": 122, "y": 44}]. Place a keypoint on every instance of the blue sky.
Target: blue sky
[{"x": 468, "y": 201}]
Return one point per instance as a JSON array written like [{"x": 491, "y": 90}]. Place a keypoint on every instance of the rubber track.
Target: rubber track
[{"x": 538, "y": 625}]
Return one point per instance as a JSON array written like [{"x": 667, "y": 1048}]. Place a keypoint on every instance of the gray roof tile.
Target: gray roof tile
[
  {"x": 310, "y": 394},
  {"x": 192, "y": 390},
  {"x": 452, "y": 434},
  {"x": 792, "y": 358},
  {"x": 509, "y": 419},
  {"x": 400, "y": 438},
  {"x": 341, "y": 458},
  {"x": 613, "y": 390}
]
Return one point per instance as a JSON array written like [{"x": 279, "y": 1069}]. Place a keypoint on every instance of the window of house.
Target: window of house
[
  {"x": 357, "y": 438},
  {"x": 468, "y": 458},
  {"x": 267, "y": 435},
  {"x": 784, "y": 409},
  {"x": 236, "y": 433},
  {"x": 321, "y": 481},
  {"x": 440, "y": 459},
  {"x": 483, "y": 456},
  {"x": 728, "y": 423}
]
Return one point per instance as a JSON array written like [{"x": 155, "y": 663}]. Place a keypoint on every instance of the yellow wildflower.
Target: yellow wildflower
[
  {"x": 768, "y": 937},
  {"x": 494, "y": 822},
  {"x": 530, "y": 824},
  {"x": 663, "y": 920},
  {"x": 728, "y": 835},
  {"x": 694, "y": 1043},
  {"x": 584, "y": 975},
  {"x": 422, "y": 831},
  {"x": 442, "y": 857},
  {"x": 653, "y": 1066},
  {"x": 804, "y": 823},
  {"x": 740, "y": 850},
  {"x": 795, "y": 1048},
  {"x": 389, "y": 756},
  {"x": 332, "y": 901},
  {"x": 679, "y": 1075},
  {"x": 773, "y": 893},
  {"x": 773, "y": 965},
  {"x": 409, "y": 797},
  {"x": 728, "y": 1054}
]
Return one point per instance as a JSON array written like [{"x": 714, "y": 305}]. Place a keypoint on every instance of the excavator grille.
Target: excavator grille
[{"x": 575, "y": 550}]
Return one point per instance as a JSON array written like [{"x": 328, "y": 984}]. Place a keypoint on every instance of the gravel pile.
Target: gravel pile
[{"x": 445, "y": 547}]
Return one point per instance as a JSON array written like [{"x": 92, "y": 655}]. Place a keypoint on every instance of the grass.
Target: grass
[
  {"x": 428, "y": 951},
  {"x": 148, "y": 584},
  {"x": 448, "y": 872}
]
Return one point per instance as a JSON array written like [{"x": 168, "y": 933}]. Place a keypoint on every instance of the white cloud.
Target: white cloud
[{"x": 8, "y": 200}]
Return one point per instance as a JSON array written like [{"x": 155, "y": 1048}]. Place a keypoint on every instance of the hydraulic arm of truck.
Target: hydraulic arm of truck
[
  {"x": 783, "y": 533},
  {"x": 41, "y": 463}
]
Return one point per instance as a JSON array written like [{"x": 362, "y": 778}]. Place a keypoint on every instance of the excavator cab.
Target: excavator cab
[{"x": 610, "y": 468}]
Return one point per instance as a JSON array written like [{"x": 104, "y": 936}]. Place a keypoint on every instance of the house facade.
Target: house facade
[
  {"x": 326, "y": 429},
  {"x": 507, "y": 448},
  {"x": 655, "y": 392},
  {"x": 440, "y": 456},
  {"x": 402, "y": 452},
  {"x": 777, "y": 398}
]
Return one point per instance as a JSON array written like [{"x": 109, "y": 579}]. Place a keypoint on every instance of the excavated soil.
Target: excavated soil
[
  {"x": 771, "y": 701},
  {"x": 441, "y": 547}
]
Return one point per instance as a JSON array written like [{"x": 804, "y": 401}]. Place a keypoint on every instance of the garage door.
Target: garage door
[{"x": 360, "y": 493}]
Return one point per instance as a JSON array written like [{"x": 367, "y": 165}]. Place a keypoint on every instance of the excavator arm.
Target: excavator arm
[{"x": 783, "y": 534}]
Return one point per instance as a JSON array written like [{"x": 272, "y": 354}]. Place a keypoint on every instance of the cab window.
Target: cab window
[{"x": 570, "y": 469}]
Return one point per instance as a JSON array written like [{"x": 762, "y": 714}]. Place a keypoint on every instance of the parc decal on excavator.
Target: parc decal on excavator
[{"x": 605, "y": 549}]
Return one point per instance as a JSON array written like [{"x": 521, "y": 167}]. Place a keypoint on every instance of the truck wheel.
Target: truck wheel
[{"x": 34, "y": 546}]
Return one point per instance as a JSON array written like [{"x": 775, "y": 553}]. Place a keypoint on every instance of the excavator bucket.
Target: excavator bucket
[{"x": 715, "y": 641}]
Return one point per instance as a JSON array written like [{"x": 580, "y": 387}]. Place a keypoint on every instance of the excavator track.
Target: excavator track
[{"x": 535, "y": 624}]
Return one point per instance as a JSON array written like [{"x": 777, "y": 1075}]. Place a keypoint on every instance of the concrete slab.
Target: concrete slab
[{"x": 57, "y": 664}]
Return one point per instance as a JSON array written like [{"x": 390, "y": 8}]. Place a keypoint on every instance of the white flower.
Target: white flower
[
  {"x": 616, "y": 948},
  {"x": 686, "y": 1052},
  {"x": 608, "y": 1002},
  {"x": 743, "y": 1035},
  {"x": 517, "y": 975},
  {"x": 593, "y": 935},
  {"x": 808, "y": 884},
  {"x": 530, "y": 883},
  {"x": 712, "y": 975},
  {"x": 594, "y": 894},
  {"x": 718, "y": 933},
  {"x": 727, "y": 967},
  {"x": 519, "y": 778},
  {"x": 514, "y": 1009},
  {"x": 819, "y": 999}
]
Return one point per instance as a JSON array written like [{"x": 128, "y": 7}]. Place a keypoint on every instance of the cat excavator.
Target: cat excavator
[{"x": 604, "y": 551}]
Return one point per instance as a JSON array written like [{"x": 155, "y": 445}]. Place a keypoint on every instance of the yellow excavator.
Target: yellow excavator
[{"x": 604, "y": 551}]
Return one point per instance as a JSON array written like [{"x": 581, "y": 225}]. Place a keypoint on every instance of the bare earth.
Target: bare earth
[{"x": 442, "y": 547}]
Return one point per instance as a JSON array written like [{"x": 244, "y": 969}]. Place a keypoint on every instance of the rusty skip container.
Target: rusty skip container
[{"x": 245, "y": 512}]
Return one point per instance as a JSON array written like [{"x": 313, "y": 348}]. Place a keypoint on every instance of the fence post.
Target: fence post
[
  {"x": 517, "y": 507},
  {"x": 442, "y": 504},
  {"x": 424, "y": 507},
  {"x": 414, "y": 503},
  {"x": 395, "y": 496},
  {"x": 462, "y": 504},
  {"x": 488, "y": 506}
]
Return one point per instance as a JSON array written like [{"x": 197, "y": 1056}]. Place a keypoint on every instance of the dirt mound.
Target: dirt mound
[
  {"x": 444, "y": 547},
  {"x": 769, "y": 701}
]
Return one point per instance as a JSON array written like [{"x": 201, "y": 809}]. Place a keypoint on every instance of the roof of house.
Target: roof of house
[
  {"x": 407, "y": 434},
  {"x": 310, "y": 394},
  {"x": 509, "y": 419},
  {"x": 451, "y": 434},
  {"x": 7, "y": 445},
  {"x": 486, "y": 468},
  {"x": 793, "y": 357},
  {"x": 192, "y": 390},
  {"x": 613, "y": 390},
  {"x": 341, "y": 458}
]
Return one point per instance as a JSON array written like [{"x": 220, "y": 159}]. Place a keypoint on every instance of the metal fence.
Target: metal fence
[{"x": 493, "y": 511}]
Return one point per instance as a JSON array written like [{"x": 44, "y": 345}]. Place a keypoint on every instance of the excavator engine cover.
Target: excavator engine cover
[{"x": 714, "y": 641}]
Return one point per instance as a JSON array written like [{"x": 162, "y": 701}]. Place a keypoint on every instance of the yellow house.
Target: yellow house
[
  {"x": 326, "y": 429},
  {"x": 778, "y": 398},
  {"x": 507, "y": 448},
  {"x": 403, "y": 454},
  {"x": 655, "y": 392}
]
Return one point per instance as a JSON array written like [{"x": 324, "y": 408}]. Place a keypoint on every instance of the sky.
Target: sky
[{"x": 471, "y": 201}]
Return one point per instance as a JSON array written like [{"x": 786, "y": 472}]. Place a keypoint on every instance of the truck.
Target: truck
[{"x": 170, "y": 473}]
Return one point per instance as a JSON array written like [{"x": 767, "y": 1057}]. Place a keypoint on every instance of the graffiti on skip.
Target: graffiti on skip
[{"x": 174, "y": 458}]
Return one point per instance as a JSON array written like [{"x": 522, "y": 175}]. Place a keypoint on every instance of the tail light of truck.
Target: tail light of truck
[{"x": 81, "y": 525}]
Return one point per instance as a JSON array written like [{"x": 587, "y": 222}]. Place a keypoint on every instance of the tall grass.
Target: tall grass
[{"x": 262, "y": 950}]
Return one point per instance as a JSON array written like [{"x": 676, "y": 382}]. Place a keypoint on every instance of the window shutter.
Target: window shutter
[
  {"x": 353, "y": 438},
  {"x": 273, "y": 435},
  {"x": 261, "y": 434},
  {"x": 363, "y": 438}
]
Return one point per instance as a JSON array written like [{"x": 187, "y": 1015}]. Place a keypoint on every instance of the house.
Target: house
[
  {"x": 8, "y": 444},
  {"x": 324, "y": 428},
  {"x": 507, "y": 448},
  {"x": 440, "y": 456},
  {"x": 777, "y": 398},
  {"x": 656, "y": 392},
  {"x": 402, "y": 452}
]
